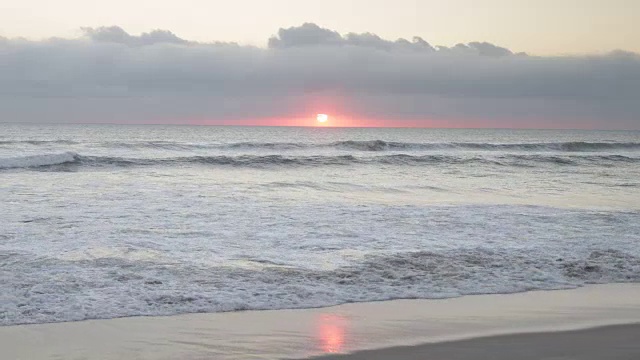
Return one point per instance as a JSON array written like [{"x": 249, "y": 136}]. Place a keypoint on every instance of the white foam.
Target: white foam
[
  {"x": 37, "y": 160},
  {"x": 189, "y": 261}
]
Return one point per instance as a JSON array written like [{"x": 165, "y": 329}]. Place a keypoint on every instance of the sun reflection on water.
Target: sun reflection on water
[{"x": 331, "y": 333}]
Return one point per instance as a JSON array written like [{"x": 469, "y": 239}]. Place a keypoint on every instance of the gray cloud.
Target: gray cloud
[
  {"x": 110, "y": 75},
  {"x": 114, "y": 34},
  {"x": 312, "y": 35}
]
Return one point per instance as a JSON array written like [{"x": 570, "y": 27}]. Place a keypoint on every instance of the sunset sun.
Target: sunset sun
[{"x": 322, "y": 118}]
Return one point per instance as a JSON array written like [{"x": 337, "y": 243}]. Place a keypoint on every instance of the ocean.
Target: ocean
[{"x": 106, "y": 221}]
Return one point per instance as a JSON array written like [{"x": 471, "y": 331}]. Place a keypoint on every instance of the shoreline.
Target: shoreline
[
  {"x": 603, "y": 342},
  {"x": 349, "y": 328}
]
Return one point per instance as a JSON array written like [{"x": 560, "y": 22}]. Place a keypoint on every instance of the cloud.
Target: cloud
[
  {"x": 305, "y": 35},
  {"x": 114, "y": 34},
  {"x": 312, "y": 35},
  {"x": 109, "y": 75}
]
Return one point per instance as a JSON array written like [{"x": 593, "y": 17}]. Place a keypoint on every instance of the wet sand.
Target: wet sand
[
  {"x": 604, "y": 343},
  {"x": 296, "y": 334}
]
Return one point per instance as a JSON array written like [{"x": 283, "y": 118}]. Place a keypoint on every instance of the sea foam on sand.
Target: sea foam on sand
[{"x": 312, "y": 332}]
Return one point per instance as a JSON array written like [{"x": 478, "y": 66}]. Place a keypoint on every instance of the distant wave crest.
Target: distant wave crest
[
  {"x": 379, "y": 145},
  {"x": 37, "y": 142},
  {"x": 38, "y": 160},
  {"x": 345, "y": 160},
  {"x": 66, "y": 159},
  {"x": 351, "y": 145}
]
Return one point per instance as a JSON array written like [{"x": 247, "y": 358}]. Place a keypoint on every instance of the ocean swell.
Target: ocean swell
[
  {"x": 379, "y": 145},
  {"x": 66, "y": 160},
  {"x": 350, "y": 145},
  {"x": 33, "y": 161},
  {"x": 37, "y": 142}
]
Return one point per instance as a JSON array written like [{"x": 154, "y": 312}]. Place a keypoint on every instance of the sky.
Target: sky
[
  {"x": 541, "y": 27},
  {"x": 460, "y": 63}
]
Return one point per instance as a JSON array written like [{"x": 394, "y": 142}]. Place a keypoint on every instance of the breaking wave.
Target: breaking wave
[
  {"x": 71, "y": 159},
  {"x": 353, "y": 145},
  {"x": 154, "y": 290},
  {"x": 380, "y": 145},
  {"x": 38, "y": 160}
]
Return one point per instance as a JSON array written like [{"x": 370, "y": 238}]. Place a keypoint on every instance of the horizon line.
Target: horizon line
[{"x": 320, "y": 127}]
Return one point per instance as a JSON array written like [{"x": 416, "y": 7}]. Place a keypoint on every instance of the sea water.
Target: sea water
[{"x": 104, "y": 221}]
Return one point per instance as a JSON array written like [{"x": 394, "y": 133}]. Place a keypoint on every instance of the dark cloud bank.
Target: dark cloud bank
[{"x": 109, "y": 75}]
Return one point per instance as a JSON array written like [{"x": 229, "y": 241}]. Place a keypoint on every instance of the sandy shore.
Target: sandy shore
[
  {"x": 613, "y": 342},
  {"x": 356, "y": 327}
]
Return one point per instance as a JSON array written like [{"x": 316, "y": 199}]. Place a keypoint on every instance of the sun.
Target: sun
[{"x": 322, "y": 118}]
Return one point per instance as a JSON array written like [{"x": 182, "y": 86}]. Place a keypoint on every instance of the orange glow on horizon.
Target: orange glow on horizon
[
  {"x": 310, "y": 111},
  {"x": 337, "y": 121},
  {"x": 333, "y": 110}
]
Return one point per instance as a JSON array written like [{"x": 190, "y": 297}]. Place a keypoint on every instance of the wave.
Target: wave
[
  {"x": 152, "y": 290},
  {"x": 38, "y": 142},
  {"x": 67, "y": 159},
  {"x": 379, "y": 145},
  {"x": 38, "y": 160},
  {"x": 345, "y": 160},
  {"x": 366, "y": 145}
]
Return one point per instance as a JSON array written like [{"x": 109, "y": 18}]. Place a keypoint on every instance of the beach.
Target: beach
[
  {"x": 522, "y": 325},
  {"x": 613, "y": 342}
]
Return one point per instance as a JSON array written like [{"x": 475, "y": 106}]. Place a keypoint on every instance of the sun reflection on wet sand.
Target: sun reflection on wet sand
[{"x": 331, "y": 331}]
